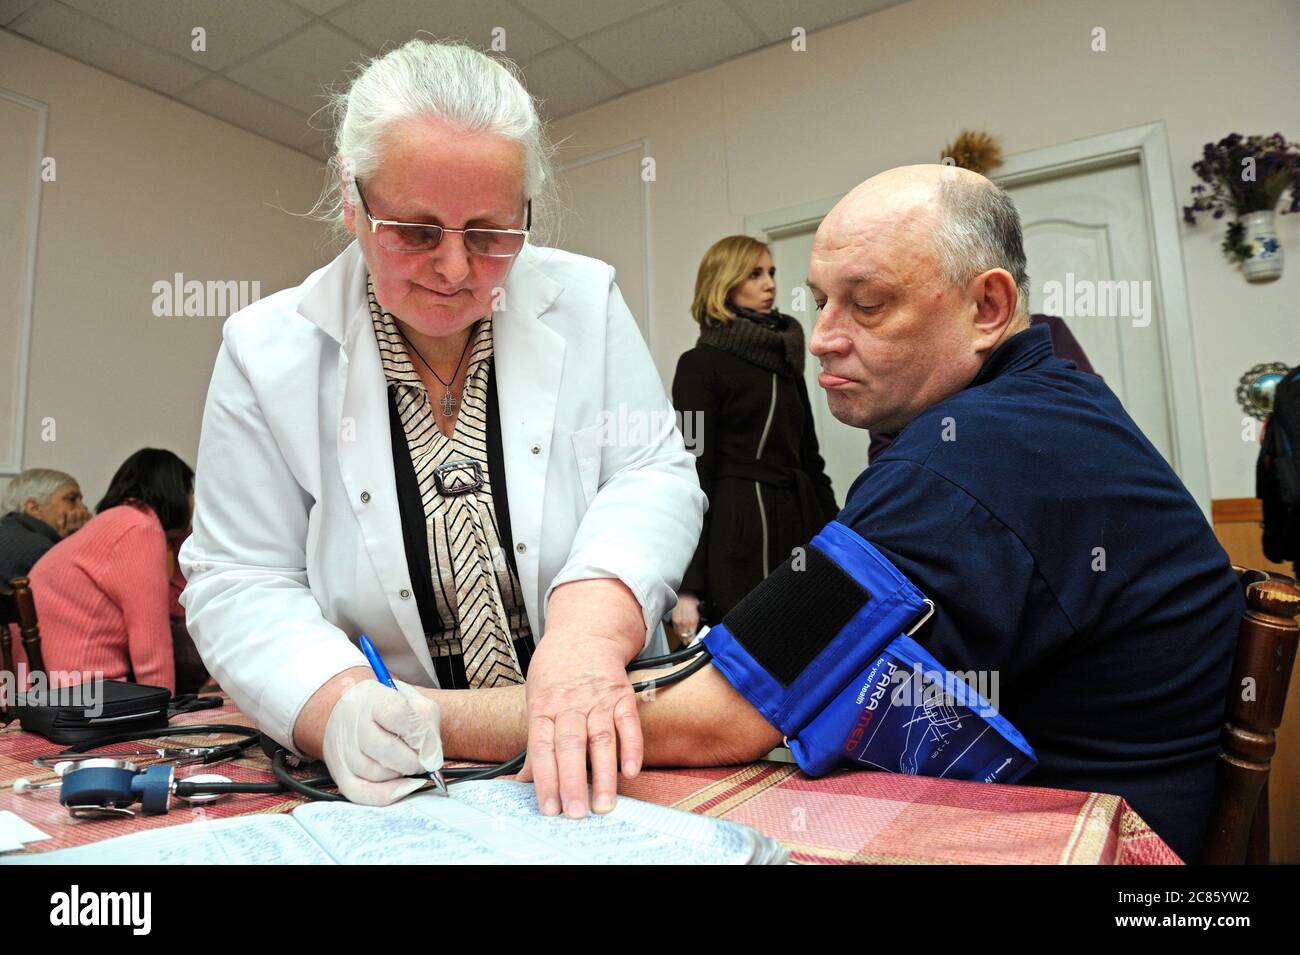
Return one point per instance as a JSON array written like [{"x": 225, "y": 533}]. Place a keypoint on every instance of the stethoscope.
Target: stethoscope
[
  {"x": 105, "y": 785},
  {"x": 94, "y": 785}
]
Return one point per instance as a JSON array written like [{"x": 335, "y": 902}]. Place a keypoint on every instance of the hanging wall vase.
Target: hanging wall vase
[{"x": 1260, "y": 236}]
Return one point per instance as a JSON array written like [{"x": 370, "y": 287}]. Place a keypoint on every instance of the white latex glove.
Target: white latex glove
[{"x": 376, "y": 736}]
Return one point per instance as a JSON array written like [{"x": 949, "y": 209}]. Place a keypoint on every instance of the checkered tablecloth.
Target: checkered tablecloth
[{"x": 851, "y": 817}]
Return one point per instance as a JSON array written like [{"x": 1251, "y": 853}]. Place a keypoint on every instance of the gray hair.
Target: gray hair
[
  {"x": 443, "y": 80},
  {"x": 979, "y": 229},
  {"x": 34, "y": 484}
]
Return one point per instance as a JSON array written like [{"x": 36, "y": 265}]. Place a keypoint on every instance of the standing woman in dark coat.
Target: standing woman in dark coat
[{"x": 757, "y": 455}]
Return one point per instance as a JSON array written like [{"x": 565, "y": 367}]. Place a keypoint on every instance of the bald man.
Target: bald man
[{"x": 1062, "y": 552}]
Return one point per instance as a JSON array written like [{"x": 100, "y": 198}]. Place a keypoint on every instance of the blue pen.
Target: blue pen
[{"x": 382, "y": 674}]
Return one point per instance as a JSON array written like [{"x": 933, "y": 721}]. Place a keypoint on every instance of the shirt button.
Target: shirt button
[
  {"x": 522, "y": 548},
  {"x": 536, "y": 449},
  {"x": 365, "y": 497},
  {"x": 406, "y": 595}
]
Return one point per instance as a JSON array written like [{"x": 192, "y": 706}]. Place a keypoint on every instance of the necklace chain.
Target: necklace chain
[{"x": 447, "y": 401}]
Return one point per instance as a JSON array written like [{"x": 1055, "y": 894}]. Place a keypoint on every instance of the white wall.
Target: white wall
[
  {"x": 777, "y": 128},
  {"x": 146, "y": 187}
]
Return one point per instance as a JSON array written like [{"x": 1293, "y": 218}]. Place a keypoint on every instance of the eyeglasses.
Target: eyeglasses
[{"x": 421, "y": 237}]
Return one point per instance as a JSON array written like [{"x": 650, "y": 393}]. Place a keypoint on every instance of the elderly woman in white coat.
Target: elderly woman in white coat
[{"x": 413, "y": 444}]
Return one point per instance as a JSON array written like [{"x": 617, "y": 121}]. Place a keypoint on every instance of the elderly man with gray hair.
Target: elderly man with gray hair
[
  {"x": 40, "y": 507},
  {"x": 1065, "y": 560}
]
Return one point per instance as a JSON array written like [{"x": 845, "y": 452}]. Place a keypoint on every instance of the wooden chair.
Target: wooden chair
[
  {"x": 1261, "y": 675},
  {"x": 18, "y": 607}
]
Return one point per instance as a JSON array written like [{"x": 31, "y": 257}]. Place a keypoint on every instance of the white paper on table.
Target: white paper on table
[{"x": 13, "y": 828}]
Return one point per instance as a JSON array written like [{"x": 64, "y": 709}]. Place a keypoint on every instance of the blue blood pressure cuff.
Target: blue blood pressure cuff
[{"x": 821, "y": 649}]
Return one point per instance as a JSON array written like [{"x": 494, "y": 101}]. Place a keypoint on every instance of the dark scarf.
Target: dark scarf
[{"x": 770, "y": 340}]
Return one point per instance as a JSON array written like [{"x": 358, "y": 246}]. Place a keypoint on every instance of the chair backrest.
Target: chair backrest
[
  {"x": 1261, "y": 676},
  {"x": 17, "y": 607}
]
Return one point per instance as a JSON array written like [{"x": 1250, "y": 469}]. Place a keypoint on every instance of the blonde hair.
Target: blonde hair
[{"x": 725, "y": 265}]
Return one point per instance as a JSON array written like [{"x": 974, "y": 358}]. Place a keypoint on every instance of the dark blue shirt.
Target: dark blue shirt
[{"x": 1063, "y": 552}]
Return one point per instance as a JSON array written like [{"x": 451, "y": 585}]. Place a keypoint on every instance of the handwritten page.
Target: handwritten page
[
  {"x": 483, "y": 822},
  {"x": 243, "y": 840},
  {"x": 421, "y": 829},
  {"x": 498, "y": 821}
]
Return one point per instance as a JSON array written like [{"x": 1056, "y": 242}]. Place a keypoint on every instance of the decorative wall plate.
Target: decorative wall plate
[{"x": 1256, "y": 388}]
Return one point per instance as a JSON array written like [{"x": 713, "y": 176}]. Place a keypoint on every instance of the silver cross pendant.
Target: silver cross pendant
[{"x": 448, "y": 403}]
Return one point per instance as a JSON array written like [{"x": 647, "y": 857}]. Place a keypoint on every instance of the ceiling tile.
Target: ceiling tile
[
  {"x": 671, "y": 41},
  {"x": 568, "y": 82},
  {"x": 575, "y": 18},
  {"x": 384, "y": 24},
  {"x": 776, "y": 18},
  {"x": 69, "y": 32},
  {"x": 11, "y": 10},
  {"x": 233, "y": 28},
  {"x": 297, "y": 70},
  {"x": 253, "y": 111},
  {"x": 319, "y": 7}
]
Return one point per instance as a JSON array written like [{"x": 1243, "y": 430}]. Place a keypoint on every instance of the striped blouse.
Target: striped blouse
[{"x": 484, "y": 639}]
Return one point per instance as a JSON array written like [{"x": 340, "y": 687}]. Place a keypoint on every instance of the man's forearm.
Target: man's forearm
[
  {"x": 701, "y": 721},
  {"x": 482, "y": 725}
]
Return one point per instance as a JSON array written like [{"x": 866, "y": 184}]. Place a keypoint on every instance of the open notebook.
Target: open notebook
[{"x": 485, "y": 822}]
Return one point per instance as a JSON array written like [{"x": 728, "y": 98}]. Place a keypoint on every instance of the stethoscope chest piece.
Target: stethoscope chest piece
[{"x": 203, "y": 779}]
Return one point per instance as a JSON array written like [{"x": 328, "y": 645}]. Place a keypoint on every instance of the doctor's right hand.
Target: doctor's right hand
[{"x": 376, "y": 737}]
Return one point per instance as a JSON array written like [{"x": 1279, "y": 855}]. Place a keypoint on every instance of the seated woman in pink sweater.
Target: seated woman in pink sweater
[{"x": 102, "y": 594}]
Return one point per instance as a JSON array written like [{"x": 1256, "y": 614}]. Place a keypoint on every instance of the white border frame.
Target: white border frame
[
  {"x": 1149, "y": 144},
  {"x": 647, "y": 283},
  {"x": 11, "y": 459}
]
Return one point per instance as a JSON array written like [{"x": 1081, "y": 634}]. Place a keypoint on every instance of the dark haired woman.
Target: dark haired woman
[
  {"x": 102, "y": 594},
  {"x": 758, "y": 460}
]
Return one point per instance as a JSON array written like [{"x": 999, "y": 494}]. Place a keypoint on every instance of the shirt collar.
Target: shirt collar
[
  {"x": 34, "y": 524},
  {"x": 1025, "y": 349},
  {"x": 392, "y": 347}
]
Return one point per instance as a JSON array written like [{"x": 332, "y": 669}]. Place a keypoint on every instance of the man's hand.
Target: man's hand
[
  {"x": 686, "y": 616},
  {"x": 376, "y": 737},
  {"x": 72, "y": 521},
  {"x": 580, "y": 701}
]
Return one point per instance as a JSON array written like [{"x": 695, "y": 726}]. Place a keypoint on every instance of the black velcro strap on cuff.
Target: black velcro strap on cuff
[{"x": 791, "y": 617}]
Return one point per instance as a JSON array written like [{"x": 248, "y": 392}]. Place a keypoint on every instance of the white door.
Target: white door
[
  {"x": 1088, "y": 241},
  {"x": 844, "y": 448}
]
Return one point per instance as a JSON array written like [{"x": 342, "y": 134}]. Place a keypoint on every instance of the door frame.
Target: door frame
[
  {"x": 1149, "y": 145},
  {"x": 11, "y": 458}
]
